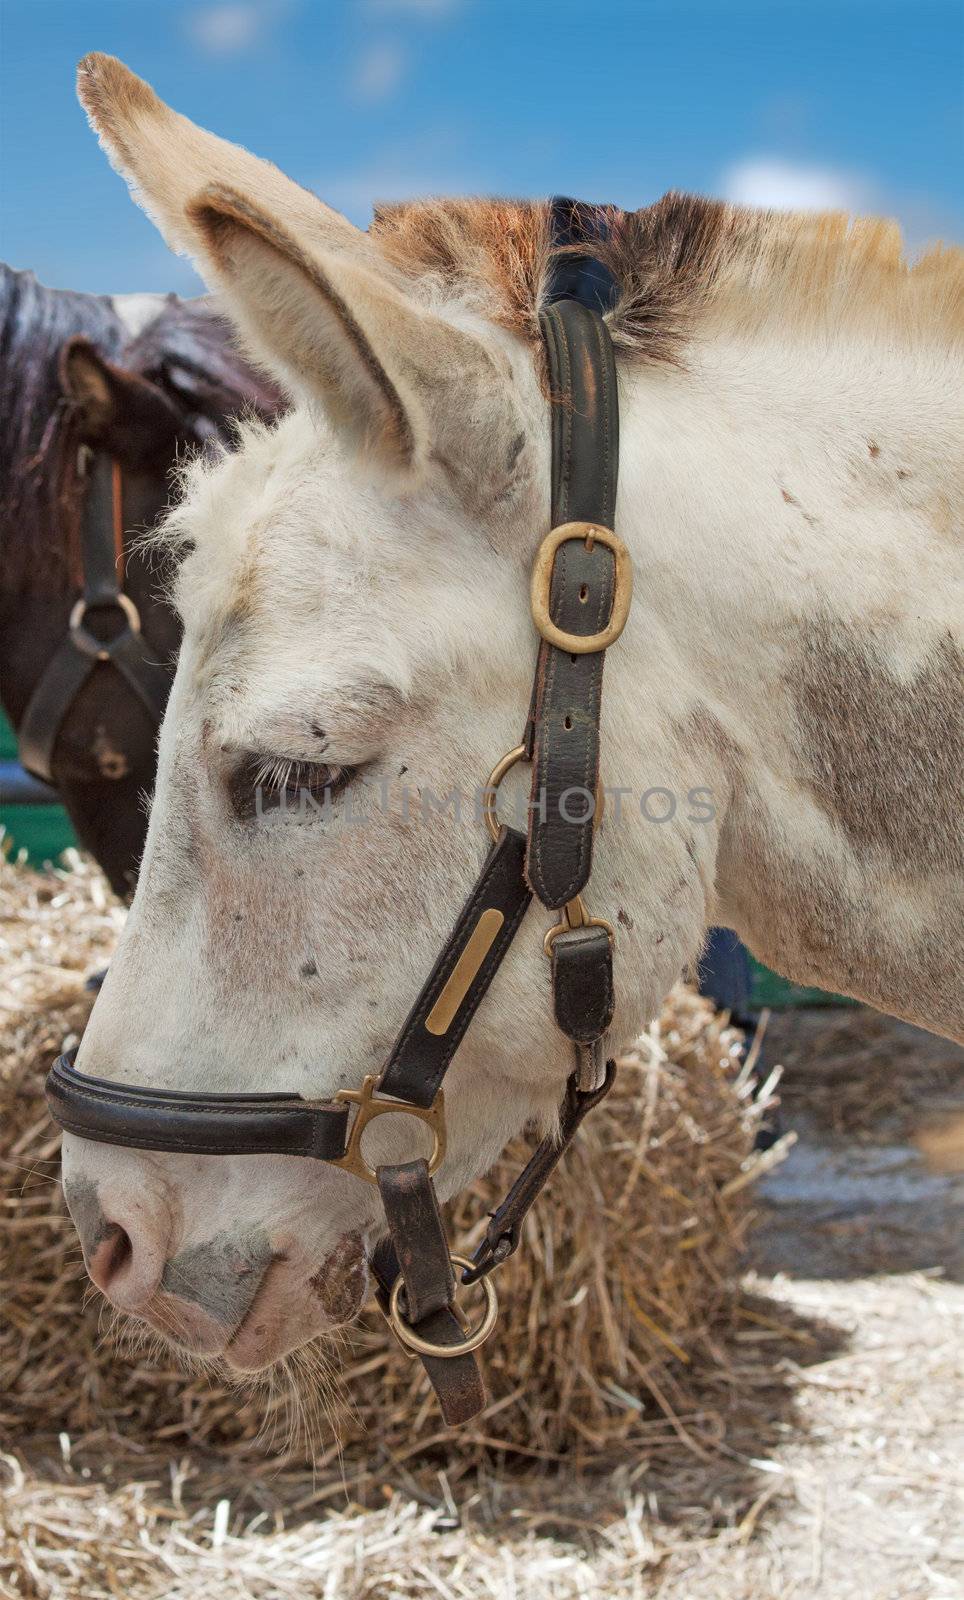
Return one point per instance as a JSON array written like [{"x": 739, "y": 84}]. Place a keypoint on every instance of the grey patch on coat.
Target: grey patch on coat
[
  {"x": 222, "y": 1275},
  {"x": 83, "y": 1203},
  {"x": 884, "y": 755}
]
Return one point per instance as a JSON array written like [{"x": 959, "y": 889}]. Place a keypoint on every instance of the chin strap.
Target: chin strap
[{"x": 504, "y": 1233}]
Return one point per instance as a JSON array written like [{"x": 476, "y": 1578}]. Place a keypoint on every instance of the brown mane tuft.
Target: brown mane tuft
[{"x": 682, "y": 257}]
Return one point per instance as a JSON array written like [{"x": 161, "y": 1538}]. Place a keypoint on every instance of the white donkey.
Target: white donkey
[{"x": 787, "y": 696}]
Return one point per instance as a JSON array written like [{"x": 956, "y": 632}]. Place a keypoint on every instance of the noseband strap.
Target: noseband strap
[
  {"x": 194, "y": 1124},
  {"x": 581, "y": 590}
]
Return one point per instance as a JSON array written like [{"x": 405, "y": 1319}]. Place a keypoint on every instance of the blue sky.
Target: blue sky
[{"x": 855, "y": 103}]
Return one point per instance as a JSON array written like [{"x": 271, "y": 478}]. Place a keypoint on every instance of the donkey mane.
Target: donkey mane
[
  {"x": 680, "y": 258},
  {"x": 38, "y": 494}
]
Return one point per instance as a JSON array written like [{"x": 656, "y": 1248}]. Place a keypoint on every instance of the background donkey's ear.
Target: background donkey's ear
[
  {"x": 121, "y": 411},
  {"x": 393, "y": 378},
  {"x": 167, "y": 160}
]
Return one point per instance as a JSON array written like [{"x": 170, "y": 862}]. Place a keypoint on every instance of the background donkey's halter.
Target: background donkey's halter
[
  {"x": 581, "y": 590},
  {"x": 116, "y": 640}
]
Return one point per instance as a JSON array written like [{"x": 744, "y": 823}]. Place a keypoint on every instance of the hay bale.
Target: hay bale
[{"x": 611, "y": 1307}]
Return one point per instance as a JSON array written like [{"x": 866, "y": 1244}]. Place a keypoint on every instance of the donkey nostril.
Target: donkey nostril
[{"x": 113, "y": 1253}]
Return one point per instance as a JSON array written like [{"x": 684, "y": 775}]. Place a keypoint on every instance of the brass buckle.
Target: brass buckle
[
  {"x": 407, "y": 1336},
  {"x": 575, "y": 915},
  {"x": 490, "y": 793},
  {"x": 371, "y": 1105},
  {"x": 579, "y": 644}
]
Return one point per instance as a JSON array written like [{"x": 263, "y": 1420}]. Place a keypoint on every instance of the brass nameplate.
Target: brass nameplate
[{"x": 480, "y": 942}]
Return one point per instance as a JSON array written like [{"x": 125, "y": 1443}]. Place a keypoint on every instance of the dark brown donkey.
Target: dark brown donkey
[{"x": 99, "y": 397}]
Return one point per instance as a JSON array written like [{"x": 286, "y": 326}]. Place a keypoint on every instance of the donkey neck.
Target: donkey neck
[{"x": 792, "y": 504}]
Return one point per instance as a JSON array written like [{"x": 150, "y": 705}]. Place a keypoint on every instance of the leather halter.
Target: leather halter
[
  {"x": 581, "y": 590},
  {"x": 104, "y": 627}
]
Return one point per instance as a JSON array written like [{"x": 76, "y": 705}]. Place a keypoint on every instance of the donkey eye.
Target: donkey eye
[{"x": 270, "y": 783}]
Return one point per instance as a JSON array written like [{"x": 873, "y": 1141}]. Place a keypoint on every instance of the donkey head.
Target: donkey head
[{"x": 357, "y": 654}]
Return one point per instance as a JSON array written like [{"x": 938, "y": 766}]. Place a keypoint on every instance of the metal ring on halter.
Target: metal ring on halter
[
  {"x": 424, "y": 1347},
  {"x": 370, "y": 1105},
  {"x": 88, "y": 642},
  {"x": 575, "y": 915},
  {"x": 490, "y": 792}
]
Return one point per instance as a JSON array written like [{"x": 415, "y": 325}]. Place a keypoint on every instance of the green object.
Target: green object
[
  {"x": 779, "y": 994},
  {"x": 43, "y": 831}
]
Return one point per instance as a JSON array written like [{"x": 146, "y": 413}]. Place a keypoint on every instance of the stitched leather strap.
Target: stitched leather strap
[
  {"x": 418, "y": 1237},
  {"x": 582, "y": 983},
  {"x": 200, "y": 1124},
  {"x": 420, "y": 1056},
  {"x": 563, "y": 732},
  {"x": 578, "y": 230},
  {"x": 418, "y": 1249}
]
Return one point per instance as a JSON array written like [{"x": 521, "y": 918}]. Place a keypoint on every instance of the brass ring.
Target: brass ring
[
  {"x": 490, "y": 792},
  {"x": 424, "y": 1347}
]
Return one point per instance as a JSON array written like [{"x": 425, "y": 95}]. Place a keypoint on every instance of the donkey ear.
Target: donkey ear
[
  {"x": 167, "y": 160},
  {"x": 121, "y": 411},
  {"x": 342, "y": 335},
  {"x": 88, "y": 381},
  {"x": 310, "y": 293}
]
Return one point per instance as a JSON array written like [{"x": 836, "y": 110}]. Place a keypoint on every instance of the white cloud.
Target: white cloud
[
  {"x": 229, "y": 28},
  {"x": 786, "y": 186},
  {"x": 379, "y": 71}
]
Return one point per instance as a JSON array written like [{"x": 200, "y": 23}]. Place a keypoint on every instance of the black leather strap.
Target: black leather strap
[
  {"x": 417, "y": 1248},
  {"x": 54, "y": 693},
  {"x": 563, "y": 732},
  {"x": 418, "y": 1238},
  {"x": 420, "y": 1057},
  {"x": 198, "y": 1124},
  {"x": 582, "y": 983},
  {"x": 100, "y": 529},
  {"x": 502, "y": 1236},
  {"x": 150, "y": 679},
  {"x": 575, "y": 270}
]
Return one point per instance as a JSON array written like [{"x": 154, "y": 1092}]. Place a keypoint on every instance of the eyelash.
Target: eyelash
[{"x": 266, "y": 783}]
